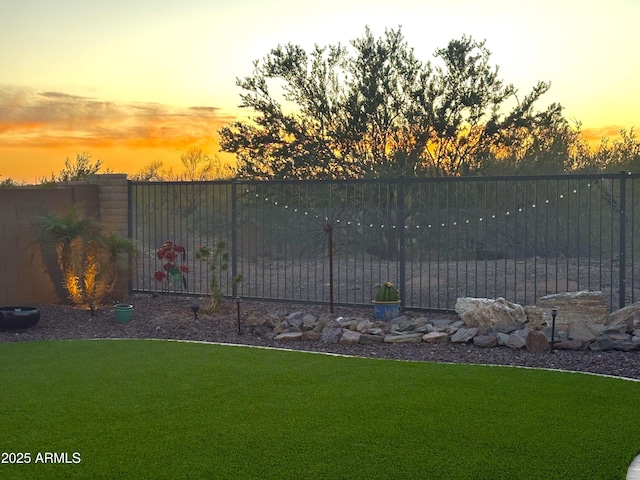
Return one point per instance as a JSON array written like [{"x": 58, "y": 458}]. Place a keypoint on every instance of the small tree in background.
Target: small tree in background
[{"x": 76, "y": 171}]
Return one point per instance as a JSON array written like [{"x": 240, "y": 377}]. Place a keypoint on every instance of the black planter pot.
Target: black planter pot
[{"x": 18, "y": 318}]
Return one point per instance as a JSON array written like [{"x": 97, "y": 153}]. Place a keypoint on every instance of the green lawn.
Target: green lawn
[{"x": 154, "y": 409}]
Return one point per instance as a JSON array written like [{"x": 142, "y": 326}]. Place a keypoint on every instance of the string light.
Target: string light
[{"x": 455, "y": 223}]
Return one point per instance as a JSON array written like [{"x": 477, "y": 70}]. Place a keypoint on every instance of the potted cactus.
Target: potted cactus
[{"x": 387, "y": 302}]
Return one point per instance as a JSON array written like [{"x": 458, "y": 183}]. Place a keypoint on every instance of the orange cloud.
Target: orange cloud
[
  {"x": 595, "y": 135},
  {"x": 59, "y": 120},
  {"x": 38, "y": 130}
]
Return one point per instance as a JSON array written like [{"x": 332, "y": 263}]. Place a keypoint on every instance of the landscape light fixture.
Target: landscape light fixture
[
  {"x": 195, "y": 307},
  {"x": 554, "y": 312},
  {"x": 238, "y": 302}
]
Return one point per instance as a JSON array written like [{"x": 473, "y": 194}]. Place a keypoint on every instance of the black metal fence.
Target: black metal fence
[{"x": 437, "y": 239}]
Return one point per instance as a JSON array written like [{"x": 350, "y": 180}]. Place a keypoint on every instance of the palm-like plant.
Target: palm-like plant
[{"x": 87, "y": 254}]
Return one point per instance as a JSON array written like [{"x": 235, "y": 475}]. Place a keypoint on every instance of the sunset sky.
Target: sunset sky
[{"x": 133, "y": 81}]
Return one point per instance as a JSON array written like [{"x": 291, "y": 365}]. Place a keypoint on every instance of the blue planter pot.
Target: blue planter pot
[
  {"x": 18, "y": 318},
  {"x": 386, "y": 310}
]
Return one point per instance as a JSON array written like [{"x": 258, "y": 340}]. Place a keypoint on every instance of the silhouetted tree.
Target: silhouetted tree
[
  {"x": 376, "y": 110},
  {"x": 198, "y": 166},
  {"x": 77, "y": 171}
]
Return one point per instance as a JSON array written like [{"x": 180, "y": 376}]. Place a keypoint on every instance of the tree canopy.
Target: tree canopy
[{"x": 375, "y": 110}]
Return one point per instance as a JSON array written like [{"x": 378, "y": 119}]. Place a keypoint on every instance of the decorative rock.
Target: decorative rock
[
  {"x": 585, "y": 306},
  {"x": 428, "y": 328},
  {"x": 295, "y": 318},
  {"x": 535, "y": 318},
  {"x": 508, "y": 329},
  {"x": 254, "y": 320},
  {"x": 310, "y": 336},
  {"x": 581, "y": 331},
  {"x": 331, "y": 335},
  {"x": 464, "y": 335},
  {"x": 370, "y": 339},
  {"x": 518, "y": 339},
  {"x": 621, "y": 342},
  {"x": 537, "y": 342},
  {"x": 484, "y": 311},
  {"x": 441, "y": 323},
  {"x": 404, "y": 323},
  {"x": 348, "y": 324},
  {"x": 601, "y": 345},
  {"x": 308, "y": 322},
  {"x": 404, "y": 338},
  {"x": 622, "y": 328},
  {"x": 349, "y": 337},
  {"x": 374, "y": 331},
  {"x": 364, "y": 325},
  {"x": 485, "y": 341},
  {"x": 628, "y": 316},
  {"x": 502, "y": 338},
  {"x": 289, "y": 337},
  {"x": 570, "y": 345},
  {"x": 435, "y": 337},
  {"x": 263, "y": 331},
  {"x": 561, "y": 333}
]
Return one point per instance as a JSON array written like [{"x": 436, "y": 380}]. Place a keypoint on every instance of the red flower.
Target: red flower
[
  {"x": 184, "y": 268},
  {"x": 168, "y": 266},
  {"x": 159, "y": 276},
  {"x": 178, "y": 248}
]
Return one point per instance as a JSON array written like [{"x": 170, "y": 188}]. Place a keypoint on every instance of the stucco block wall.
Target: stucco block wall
[{"x": 29, "y": 272}]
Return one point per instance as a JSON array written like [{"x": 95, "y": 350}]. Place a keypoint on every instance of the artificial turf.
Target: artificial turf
[{"x": 158, "y": 409}]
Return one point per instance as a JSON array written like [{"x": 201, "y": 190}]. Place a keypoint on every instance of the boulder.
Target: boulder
[
  {"x": 628, "y": 316},
  {"x": 581, "y": 331},
  {"x": 308, "y": 322},
  {"x": 442, "y": 323},
  {"x": 331, "y": 335},
  {"x": 582, "y": 306},
  {"x": 570, "y": 345},
  {"x": 535, "y": 317},
  {"x": 349, "y": 337},
  {"x": 370, "y": 339},
  {"x": 502, "y": 338},
  {"x": 404, "y": 338},
  {"x": 476, "y": 312},
  {"x": 518, "y": 339},
  {"x": 310, "y": 336},
  {"x": 464, "y": 335},
  {"x": 289, "y": 337},
  {"x": 435, "y": 337},
  {"x": 537, "y": 342},
  {"x": 485, "y": 341}
]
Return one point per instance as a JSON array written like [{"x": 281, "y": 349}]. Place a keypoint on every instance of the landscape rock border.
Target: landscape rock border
[{"x": 486, "y": 323}]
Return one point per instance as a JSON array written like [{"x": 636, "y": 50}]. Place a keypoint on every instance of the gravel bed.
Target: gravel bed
[{"x": 171, "y": 318}]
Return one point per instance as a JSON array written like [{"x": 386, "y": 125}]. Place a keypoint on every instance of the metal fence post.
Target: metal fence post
[
  {"x": 623, "y": 239},
  {"x": 234, "y": 239},
  {"x": 401, "y": 239}
]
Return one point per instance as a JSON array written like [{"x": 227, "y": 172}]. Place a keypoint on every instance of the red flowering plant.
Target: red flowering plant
[{"x": 170, "y": 254}]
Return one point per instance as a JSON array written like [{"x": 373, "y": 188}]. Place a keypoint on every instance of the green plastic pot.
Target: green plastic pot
[{"x": 123, "y": 312}]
